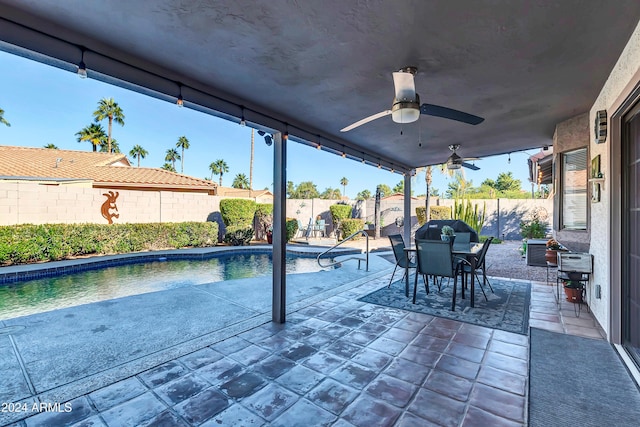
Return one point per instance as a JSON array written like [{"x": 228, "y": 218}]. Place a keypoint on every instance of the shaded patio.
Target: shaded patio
[{"x": 337, "y": 361}]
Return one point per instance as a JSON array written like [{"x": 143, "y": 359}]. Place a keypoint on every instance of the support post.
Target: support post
[
  {"x": 407, "y": 209},
  {"x": 279, "y": 301}
]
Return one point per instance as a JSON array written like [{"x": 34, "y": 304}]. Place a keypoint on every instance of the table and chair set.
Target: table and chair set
[{"x": 435, "y": 260}]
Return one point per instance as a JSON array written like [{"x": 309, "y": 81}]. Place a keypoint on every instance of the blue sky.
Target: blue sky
[{"x": 48, "y": 105}]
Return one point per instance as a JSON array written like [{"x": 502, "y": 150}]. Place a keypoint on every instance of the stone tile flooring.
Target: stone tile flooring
[{"x": 338, "y": 362}]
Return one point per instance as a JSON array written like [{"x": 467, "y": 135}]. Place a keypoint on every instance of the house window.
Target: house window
[{"x": 574, "y": 190}]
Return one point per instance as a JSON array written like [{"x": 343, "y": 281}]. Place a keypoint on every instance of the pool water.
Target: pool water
[{"x": 51, "y": 293}]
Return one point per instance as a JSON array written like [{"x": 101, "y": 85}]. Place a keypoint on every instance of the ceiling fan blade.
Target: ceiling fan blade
[
  {"x": 470, "y": 166},
  {"x": 366, "y": 120},
  {"x": 449, "y": 113},
  {"x": 405, "y": 86}
]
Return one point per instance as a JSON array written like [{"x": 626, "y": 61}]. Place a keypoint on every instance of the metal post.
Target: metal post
[
  {"x": 407, "y": 209},
  {"x": 279, "y": 301}
]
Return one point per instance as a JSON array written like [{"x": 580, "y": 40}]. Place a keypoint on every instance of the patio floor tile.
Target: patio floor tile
[
  {"x": 300, "y": 379},
  {"x": 203, "y": 406},
  {"x": 324, "y": 363},
  {"x": 407, "y": 370},
  {"x": 133, "y": 412},
  {"x": 503, "y": 380},
  {"x": 365, "y": 412},
  {"x": 332, "y": 395},
  {"x": 243, "y": 385},
  {"x": 449, "y": 385},
  {"x": 80, "y": 409},
  {"x": 274, "y": 366},
  {"x": 304, "y": 410},
  {"x": 162, "y": 374},
  {"x": 236, "y": 416},
  {"x": 271, "y": 401},
  {"x": 437, "y": 408},
  {"x": 182, "y": 388},
  {"x": 498, "y": 402},
  {"x": 391, "y": 390}
]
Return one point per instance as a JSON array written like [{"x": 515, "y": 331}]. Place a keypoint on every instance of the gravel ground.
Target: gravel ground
[{"x": 504, "y": 260}]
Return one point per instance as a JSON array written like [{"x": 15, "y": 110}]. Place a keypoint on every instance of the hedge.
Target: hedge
[
  {"x": 350, "y": 226},
  {"x": 440, "y": 212},
  {"x": 238, "y": 212},
  {"x": 28, "y": 243}
]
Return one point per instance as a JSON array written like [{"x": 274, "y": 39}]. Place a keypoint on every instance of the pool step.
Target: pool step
[{"x": 358, "y": 257}]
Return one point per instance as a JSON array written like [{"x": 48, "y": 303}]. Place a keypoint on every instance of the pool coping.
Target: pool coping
[{"x": 22, "y": 272}]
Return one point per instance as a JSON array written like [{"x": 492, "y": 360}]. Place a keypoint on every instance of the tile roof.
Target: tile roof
[{"x": 106, "y": 170}]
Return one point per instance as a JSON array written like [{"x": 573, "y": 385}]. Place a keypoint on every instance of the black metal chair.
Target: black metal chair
[
  {"x": 402, "y": 260},
  {"x": 434, "y": 258},
  {"x": 480, "y": 263}
]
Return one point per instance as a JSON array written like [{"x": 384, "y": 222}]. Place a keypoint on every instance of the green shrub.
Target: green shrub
[
  {"x": 339, "y": 213},
  {"x": 51, "y": 242},
  {"x": 495, "y": 240},
  {"x": 292, "y": 228},
  {"x": 264, "y": 215},
  {"x": 238, "y": 212},
  {"x": 421, "y": 213},
  {"x": 350, "y": 226},
  {"x": 439, "y": 212},
  {"x": 238, "y": 236}
]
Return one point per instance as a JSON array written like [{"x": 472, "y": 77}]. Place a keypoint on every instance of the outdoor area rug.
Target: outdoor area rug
[
  {"x": 575, "y": 381},
  {"x": 507, "y": 309}
]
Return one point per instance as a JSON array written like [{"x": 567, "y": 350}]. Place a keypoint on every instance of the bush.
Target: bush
[
  {"x": 421, "y": 213},
  {"x": 52, "y": 242},
  {"x": 439, "y": 212},
  {"x": 238, "y": 236},
  {"x": 339, "y": 212},
  {"x": 350, "y": 226},
  {"x": 264, "y": 216},
  {"x": 292, "y": 228},
  {"x": 238, "y": 212}
]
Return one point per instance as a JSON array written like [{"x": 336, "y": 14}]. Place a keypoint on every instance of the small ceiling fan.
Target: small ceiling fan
[
  {"x": 406, "y": 106},
  {"x": 456, "y": 162}
]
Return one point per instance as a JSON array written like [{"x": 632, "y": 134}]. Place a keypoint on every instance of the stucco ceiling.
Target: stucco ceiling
[{"x": 321, "y": 65}]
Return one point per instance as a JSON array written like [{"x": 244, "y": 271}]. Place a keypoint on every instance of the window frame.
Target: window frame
[{"x": 583, "y": 191}]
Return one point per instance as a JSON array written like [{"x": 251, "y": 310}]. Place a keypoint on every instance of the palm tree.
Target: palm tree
[
  {"x": 240, "y": 181},
  {"x": 183, "y": 143},
  {"x": 2, "y": 119},
  {"x": 168, "y": 167},
  {"x": 344, "y": 181},
  {"x": 428, "y": 178},
  {"x": 94, "y": 133},
  {"x": 251, "y": 161},
  {"x": 172, "y": 156},
  {"x": 51, "y": 146},
  {"x": 115, "y": 148},
  {"x": 137, "y": 152},
  {"x": 219, "y": 167},
  {"x": 109, "y": 109}
]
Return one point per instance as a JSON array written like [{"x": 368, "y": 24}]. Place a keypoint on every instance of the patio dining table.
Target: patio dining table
[{"x": 468, "y": 253}]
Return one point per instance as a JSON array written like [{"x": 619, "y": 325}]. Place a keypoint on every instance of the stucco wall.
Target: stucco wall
[
  {"x": 571, "y": 135},
  {"x": 23, "y": 202},
  {"x": 624, "y": 76}
]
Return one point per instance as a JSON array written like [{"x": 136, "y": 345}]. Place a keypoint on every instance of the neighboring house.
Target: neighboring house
[
  {"x": 261, "y": 196},
  {"x": 98, "y": 170},
  {"x": 41, "y": 185}
]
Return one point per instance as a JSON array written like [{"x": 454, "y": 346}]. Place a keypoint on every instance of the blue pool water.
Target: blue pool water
[{"x": 40, "y": 295}]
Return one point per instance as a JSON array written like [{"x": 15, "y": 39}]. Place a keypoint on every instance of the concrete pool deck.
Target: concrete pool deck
[
  {"x": 336, "y": 361},
  {"x": 62, "y": 354}
]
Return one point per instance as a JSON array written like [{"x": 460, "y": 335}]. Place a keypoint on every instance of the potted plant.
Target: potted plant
[
  {"x": 447, "y": 234},
  {"x": 270, "y": 235},
  {"x": 573, "y": 288},
  {"x": 551, "y": 253}
]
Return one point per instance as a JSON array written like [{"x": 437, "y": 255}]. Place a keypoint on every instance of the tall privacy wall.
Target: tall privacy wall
[{"x": 32, "y": 203}]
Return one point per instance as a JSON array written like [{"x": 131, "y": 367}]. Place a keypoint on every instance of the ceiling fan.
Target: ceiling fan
[
  {"x": 406, "y": 106},
  {"x": 456, "y": 162}
]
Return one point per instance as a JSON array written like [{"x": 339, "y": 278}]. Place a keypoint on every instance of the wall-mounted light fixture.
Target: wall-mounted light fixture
[
  {"x": 242, "y": 120},
  {"x": 600, "y": 127},
  {"x": 82, "y": 68}
]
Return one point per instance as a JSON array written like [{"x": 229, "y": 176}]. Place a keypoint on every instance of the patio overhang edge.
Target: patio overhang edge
[{"x": 166, "y": 85}]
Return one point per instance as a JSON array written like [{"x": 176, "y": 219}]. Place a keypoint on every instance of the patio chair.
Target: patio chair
[
  {"x": 302, "y": 229},
  {"x": 462, "y": 240},
  {"x": 480, "y": 261},
  {"x": 402, "y": 259},
  {"x": 434, "y": 258}
]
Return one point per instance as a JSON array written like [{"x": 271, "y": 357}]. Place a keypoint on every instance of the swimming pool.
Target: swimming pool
[{"x": 51, "y": 293}]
